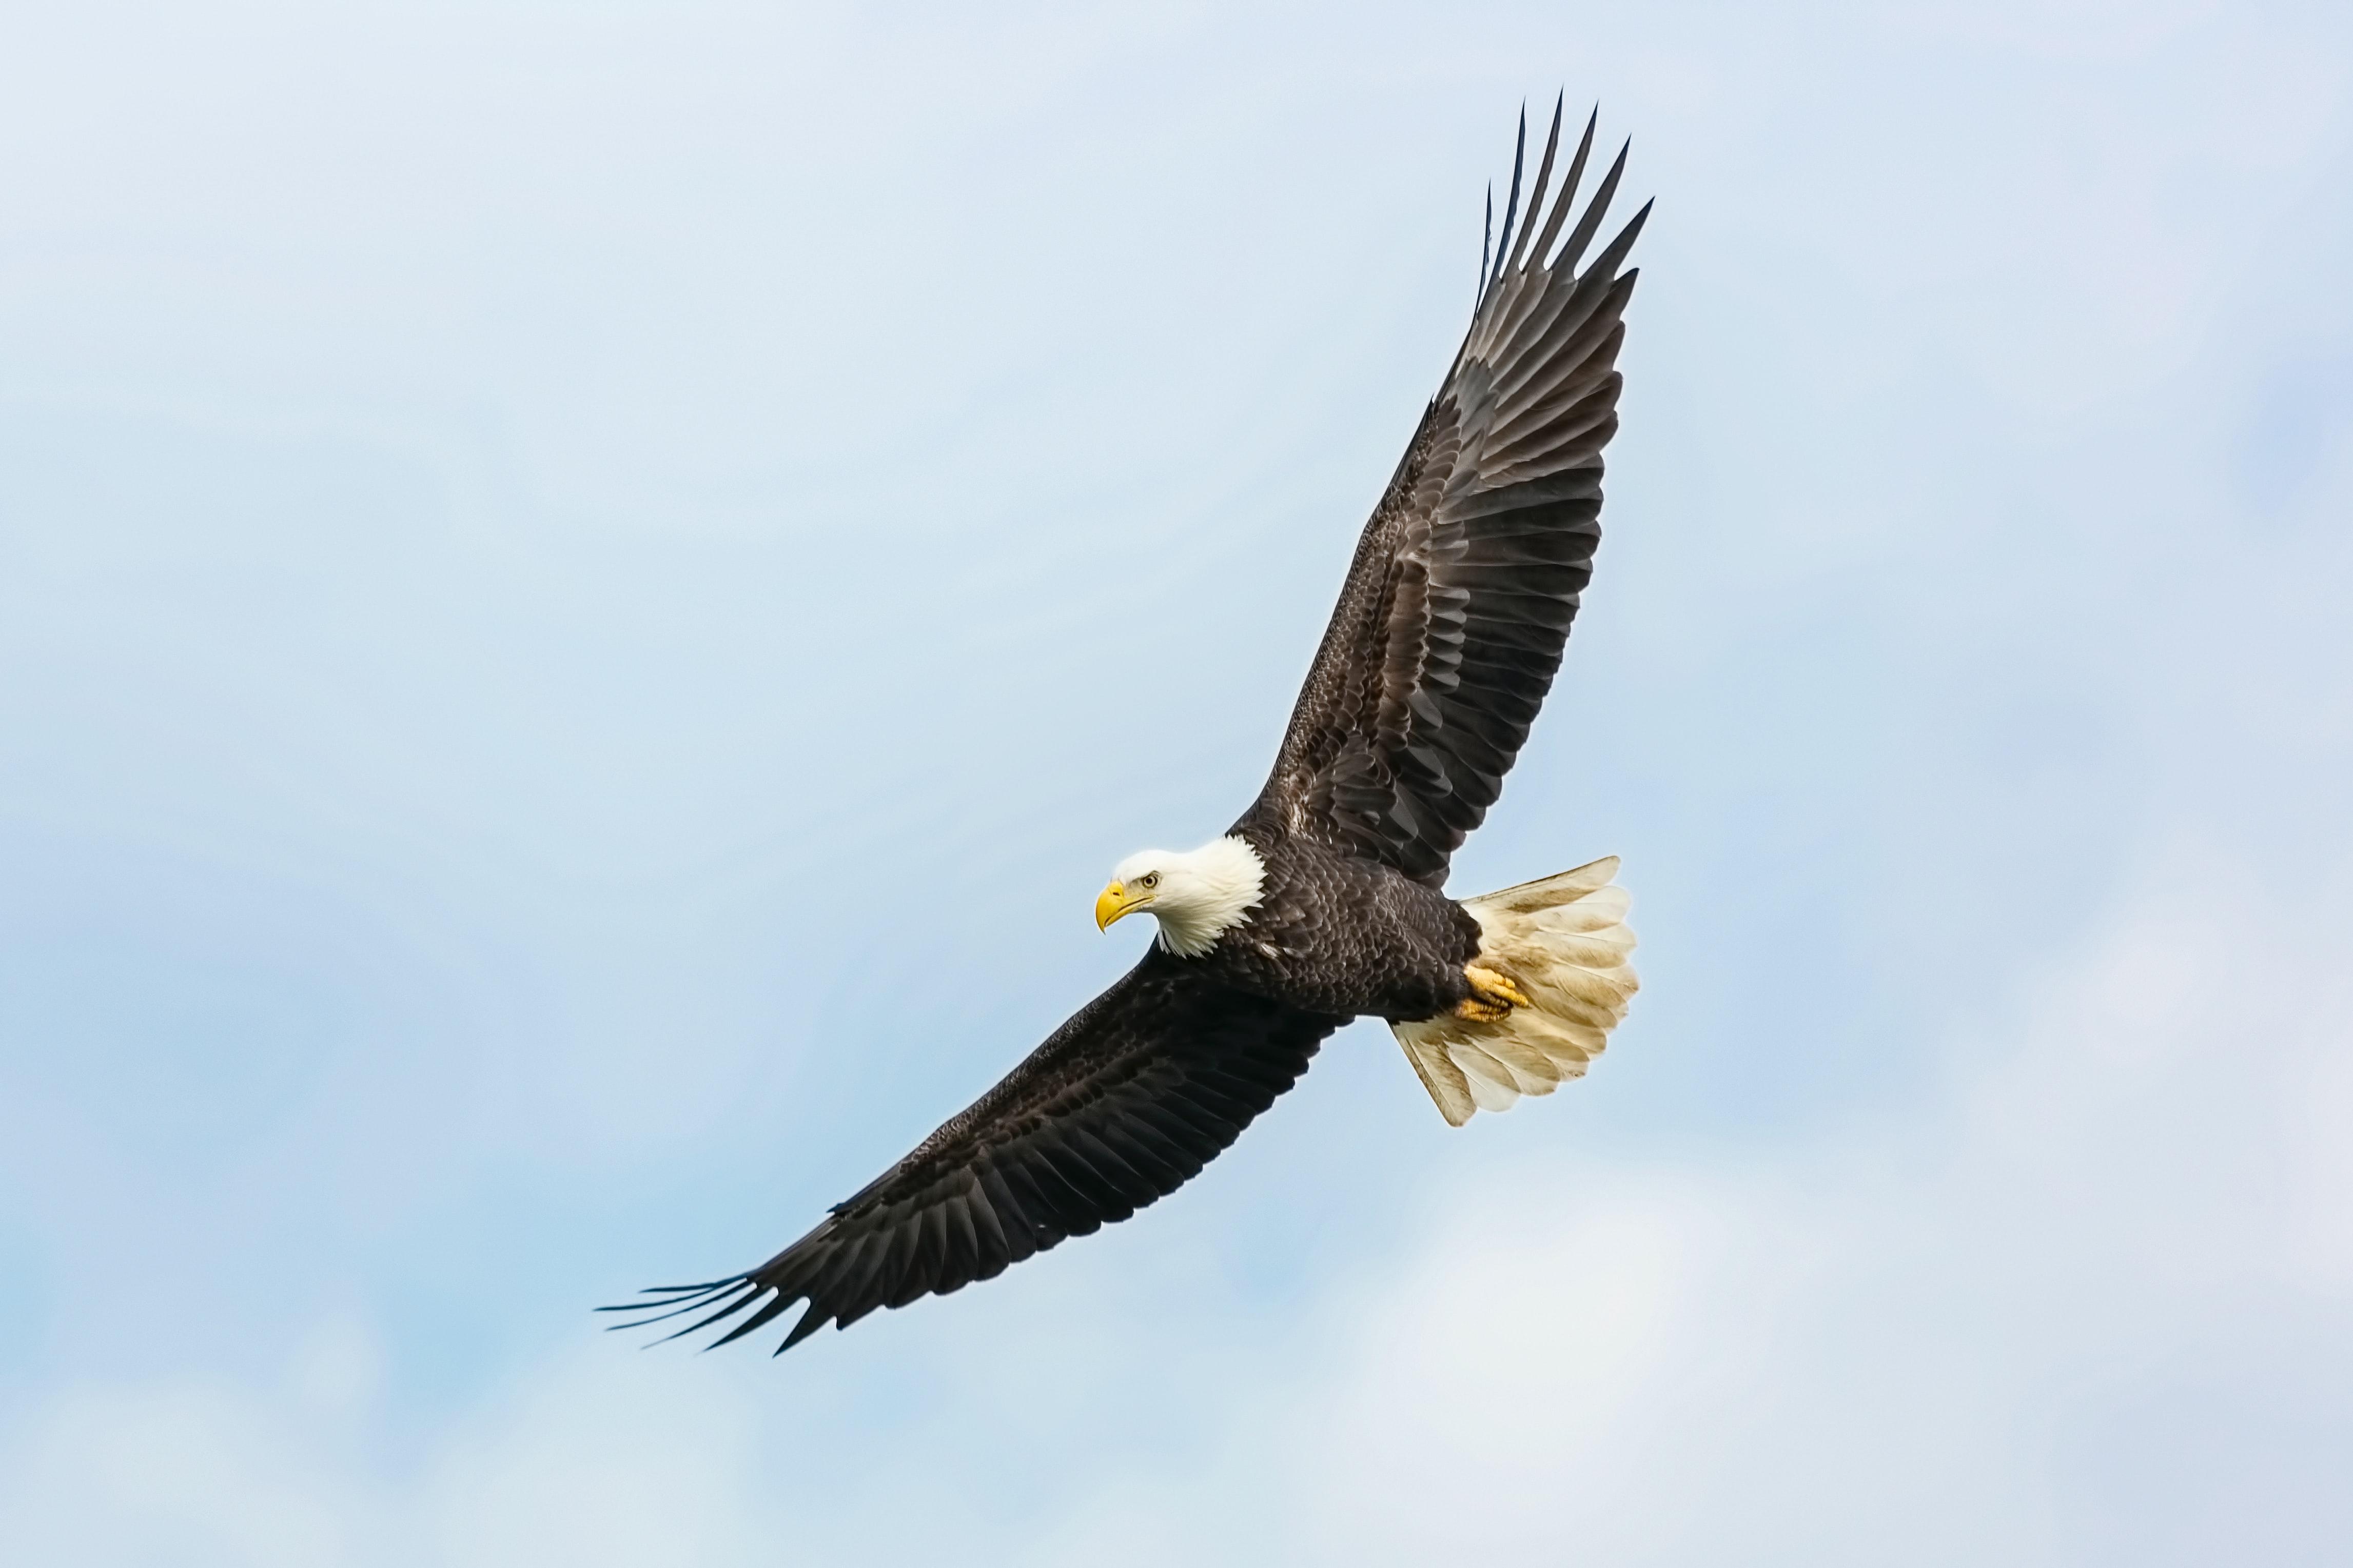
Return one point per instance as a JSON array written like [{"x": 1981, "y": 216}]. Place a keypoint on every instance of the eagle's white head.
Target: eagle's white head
[{"x": 1198, "y": 894}]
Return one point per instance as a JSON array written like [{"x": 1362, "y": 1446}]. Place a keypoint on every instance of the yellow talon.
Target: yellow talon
[{"x": 1493, "y": 995}]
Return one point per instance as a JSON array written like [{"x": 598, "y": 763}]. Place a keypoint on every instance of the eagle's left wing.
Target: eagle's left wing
[
  {"x": 1121, "y": 1105},
  {"x": 1457, "y": 604}
]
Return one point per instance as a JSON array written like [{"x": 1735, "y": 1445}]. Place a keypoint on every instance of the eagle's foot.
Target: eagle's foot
[{"x": 1493, "y": 995}]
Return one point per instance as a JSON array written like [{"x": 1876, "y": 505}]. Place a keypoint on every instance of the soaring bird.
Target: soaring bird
[{"x": 1325, "y": 900}]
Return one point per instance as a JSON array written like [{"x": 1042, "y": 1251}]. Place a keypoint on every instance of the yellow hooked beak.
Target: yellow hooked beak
[{"x": 1112, "y": 902}]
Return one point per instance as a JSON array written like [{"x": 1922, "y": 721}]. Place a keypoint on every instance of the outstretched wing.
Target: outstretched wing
[
  {"x": 1123, "y": 1104},
  {"x": 1452, "y": 620}
]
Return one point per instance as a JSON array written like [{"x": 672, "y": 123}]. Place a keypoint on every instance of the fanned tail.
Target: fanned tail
[{"x": 1564, "y": 941}]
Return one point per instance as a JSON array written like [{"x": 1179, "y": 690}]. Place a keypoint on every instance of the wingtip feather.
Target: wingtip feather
[{"x": 1512, "y": 202}]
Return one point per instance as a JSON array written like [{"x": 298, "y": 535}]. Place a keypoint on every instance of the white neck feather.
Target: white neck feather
[{"x": 1204, "y": 893}]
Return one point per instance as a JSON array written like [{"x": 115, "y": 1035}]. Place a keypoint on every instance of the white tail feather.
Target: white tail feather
[{"x": 1564, "y": 941}]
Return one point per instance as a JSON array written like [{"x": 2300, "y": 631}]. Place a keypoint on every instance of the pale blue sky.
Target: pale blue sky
[{"x": 588, "y": 593}]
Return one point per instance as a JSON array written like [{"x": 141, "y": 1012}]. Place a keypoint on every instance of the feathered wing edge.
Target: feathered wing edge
[
  {"x": 1457, "y": 608},
  {"x": 1515, "y": 273},
  {"x": 1121, "y": 1106}
]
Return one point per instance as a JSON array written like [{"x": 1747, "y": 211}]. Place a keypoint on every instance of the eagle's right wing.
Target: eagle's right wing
[
  {"x": 1452, "y": 620},
  {"x": 1121, "y": 1105}
]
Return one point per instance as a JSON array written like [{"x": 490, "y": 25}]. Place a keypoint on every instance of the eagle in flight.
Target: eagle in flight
[{"x": 1325, "y": 900}]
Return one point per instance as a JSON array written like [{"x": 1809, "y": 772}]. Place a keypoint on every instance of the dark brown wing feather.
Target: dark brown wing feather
[
  {"x": 1123, "y": 1104},
  {"x": 1458, "y": 605}
]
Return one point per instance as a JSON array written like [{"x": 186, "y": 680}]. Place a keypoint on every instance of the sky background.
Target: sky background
[{"x": 588, "y": 593}]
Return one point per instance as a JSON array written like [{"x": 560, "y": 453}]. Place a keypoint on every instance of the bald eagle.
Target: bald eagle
[{"x": 1325, "y": 901}]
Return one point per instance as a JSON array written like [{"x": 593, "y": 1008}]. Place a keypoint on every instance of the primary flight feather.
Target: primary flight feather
[{"x": 1323, "y": 903}]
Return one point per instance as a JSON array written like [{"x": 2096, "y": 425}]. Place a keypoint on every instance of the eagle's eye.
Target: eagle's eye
[{"x": 1150, "y": 879}]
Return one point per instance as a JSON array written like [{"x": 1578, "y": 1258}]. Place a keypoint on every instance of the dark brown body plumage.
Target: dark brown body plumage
[
  {"x": 1336, "y": 934},
  {"x": 1446, "y": 638}
]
